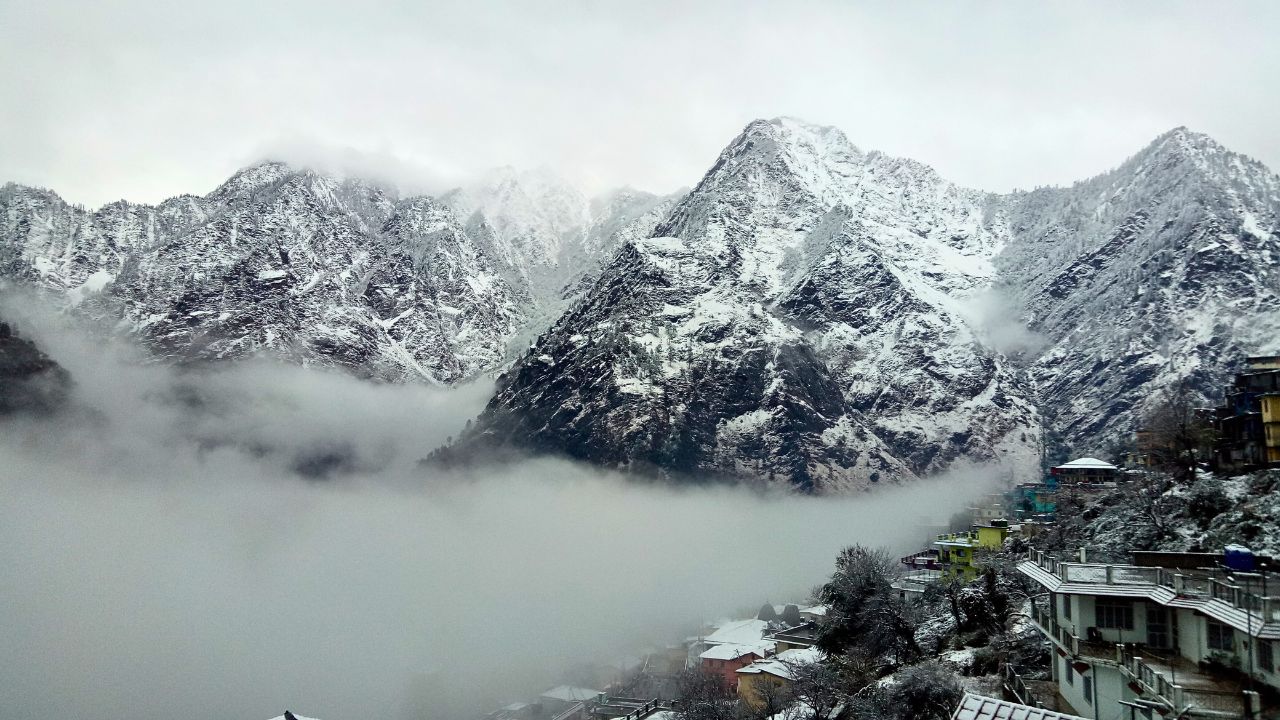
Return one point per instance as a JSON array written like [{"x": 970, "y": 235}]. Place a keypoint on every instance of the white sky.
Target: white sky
[{"x": 103, "y": 100}]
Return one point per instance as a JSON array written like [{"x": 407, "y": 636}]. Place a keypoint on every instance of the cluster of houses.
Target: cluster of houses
[
  {"x": 755, "y": 658},
  {"x": 1024, "y": 511}
]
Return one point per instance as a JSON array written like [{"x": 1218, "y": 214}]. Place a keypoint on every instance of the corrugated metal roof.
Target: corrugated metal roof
[{"x": 980, "y": 707}]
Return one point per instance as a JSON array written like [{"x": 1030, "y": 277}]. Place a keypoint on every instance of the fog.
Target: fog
[
  {"x": 995, "y": 316},
  {"x": 161, "y": 553}
]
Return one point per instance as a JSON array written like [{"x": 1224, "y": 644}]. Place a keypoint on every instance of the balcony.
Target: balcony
[
  {"x": 1066, "y": 639},
  {"x": 1183, "y": 687}
]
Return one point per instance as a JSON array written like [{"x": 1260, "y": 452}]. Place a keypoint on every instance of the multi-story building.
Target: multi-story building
[
  {"x": 1248, "y": 423},
  {"x": 1132, "y": 640},
  {"x": 957, "y": 552}
]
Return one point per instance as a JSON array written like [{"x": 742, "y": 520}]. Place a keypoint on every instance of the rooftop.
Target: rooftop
[
  {"x": 980, "y": 707},
  {"x": 733, "y": 651},
  {"x": 781, "y": 665},
  {"x": 1086, "y": 463},
  {"x": 1234, "y": 599},
  {"x": 739, "y": 632},
  {"x": 569, "y": 693}
]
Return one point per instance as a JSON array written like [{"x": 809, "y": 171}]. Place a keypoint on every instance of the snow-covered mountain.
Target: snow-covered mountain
[
  {"x": 823, "y": 316},
  {"x": 798, "y": 316},
  {"x": 312, "y": 268},
  {"x": 1165, "y": 269},
  {"x": 810, "y": 313}
]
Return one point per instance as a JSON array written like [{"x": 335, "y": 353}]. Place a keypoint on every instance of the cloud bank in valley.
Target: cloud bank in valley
[{"x": 163, "y": 552}]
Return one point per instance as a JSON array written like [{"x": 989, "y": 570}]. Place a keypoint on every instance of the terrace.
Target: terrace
[
  {"x": 1182, "y": 686},
  {"x": 1241, "y": 600}
]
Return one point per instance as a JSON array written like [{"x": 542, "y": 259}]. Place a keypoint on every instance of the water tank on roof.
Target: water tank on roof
[{"x": 1238, "y": 557}]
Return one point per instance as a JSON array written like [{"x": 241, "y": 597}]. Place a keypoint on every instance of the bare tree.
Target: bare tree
[
  {"x": 704, "y": 696},
  {"x": 818, "y": 691},
  {"x": 1176, "y": 432}
]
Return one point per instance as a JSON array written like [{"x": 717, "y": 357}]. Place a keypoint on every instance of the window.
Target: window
[
  {"x": 1088, "y": 688},
  {"x": 1221, "y": 637},
  {"x": 1158, "y": 627},
  {"x": 1266, "y": 660},
  {"x": 1069, "y": 672},
  {"x": 1115, "y": 613},
  {"x": 1066, "y": 607}
]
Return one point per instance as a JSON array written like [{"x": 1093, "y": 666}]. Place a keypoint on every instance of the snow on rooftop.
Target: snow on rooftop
[
  {"x": 1088, "y": 463},
  {"x": 733, "y": 651},
  {"x": 738, "y": 632},
  {"x": 781, "y": 665},
  {"x": 980, "y": 707},
  {"x": 818, "y": 610}
]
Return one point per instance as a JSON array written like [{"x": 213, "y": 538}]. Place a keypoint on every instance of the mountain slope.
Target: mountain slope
[
  {"x": 761, "y": 333},
  {"x": 1166, "y": 269}
]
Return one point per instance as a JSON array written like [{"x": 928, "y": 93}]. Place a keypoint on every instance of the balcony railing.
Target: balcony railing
[
  {"x": 1059, "y": 634},
  {"x": 1265, "y": 608},
  {"x": 1181, "y": 698}
]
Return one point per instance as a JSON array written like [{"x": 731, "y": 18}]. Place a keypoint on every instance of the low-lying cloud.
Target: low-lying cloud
[{"x": 163, "y": 554}]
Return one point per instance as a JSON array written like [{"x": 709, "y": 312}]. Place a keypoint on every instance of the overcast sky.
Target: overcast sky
[{"x": 144, "y": 100}]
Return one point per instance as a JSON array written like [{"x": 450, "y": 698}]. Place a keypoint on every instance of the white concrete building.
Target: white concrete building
[{"x": 1132, "y": 640}]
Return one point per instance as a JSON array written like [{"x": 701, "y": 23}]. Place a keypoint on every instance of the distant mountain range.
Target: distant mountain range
[{"x": 810, "y": 314}]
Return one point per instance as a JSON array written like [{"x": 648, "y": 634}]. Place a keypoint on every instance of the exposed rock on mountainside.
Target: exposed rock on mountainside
[{"x": 29, "y": 380}]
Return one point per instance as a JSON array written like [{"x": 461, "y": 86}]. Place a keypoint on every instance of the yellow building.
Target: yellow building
[
  {"x": 957, "y": 551},
  {"x": 1271, "y": 425},
  {"x": 762, "y": 679}
]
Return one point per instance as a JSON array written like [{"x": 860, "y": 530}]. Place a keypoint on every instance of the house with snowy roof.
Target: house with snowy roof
[
  {"x": 778, "y": 671},
  {"x": 725, "y": 660},
  {"x": 981, "y": 707},
  {"x": 1168, "y": 639},
  {"x": 1086, "y": 471}
]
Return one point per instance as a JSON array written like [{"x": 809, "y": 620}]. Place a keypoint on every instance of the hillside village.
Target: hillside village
[{"x": 1140, "y": 585}]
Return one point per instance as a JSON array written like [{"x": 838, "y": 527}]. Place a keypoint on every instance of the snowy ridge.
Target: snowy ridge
[{"x": 809, "y": 315}]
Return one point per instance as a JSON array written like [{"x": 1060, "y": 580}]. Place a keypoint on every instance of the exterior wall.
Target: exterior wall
[
  {"x": 749, "y": 685},
  {"x": 728, "y": 669},
  {"x": 1193, "y": 644},
  {"x": 1086, "y": 617},
  {"x": 1108, "y": 689},
  {"x": 1269, "y": 676}
]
